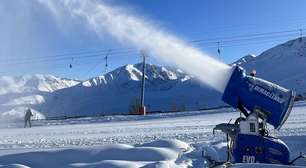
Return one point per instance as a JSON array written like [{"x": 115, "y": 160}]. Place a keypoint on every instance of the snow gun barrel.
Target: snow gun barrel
[{"x": 272, "y": 102}]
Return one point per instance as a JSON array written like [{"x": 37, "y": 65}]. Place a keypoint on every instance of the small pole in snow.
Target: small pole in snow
[{"x": 142, "y": 108}]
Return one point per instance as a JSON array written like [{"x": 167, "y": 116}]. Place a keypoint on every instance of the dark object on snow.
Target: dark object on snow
[
  {"x": 253, "y": 73},
  {"x": 27, "y": 118}
]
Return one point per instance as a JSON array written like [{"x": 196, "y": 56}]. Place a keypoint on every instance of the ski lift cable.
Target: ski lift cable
[
  {"x": 247, "y": 35},
  {"x": 249, "y": 38},
  {"x": 84, "y": 53},
  {"x": 119, "y": 53},
  {"x": 123, "y": 50},
  {"x": 129, "y": 50},
  {"x": 93, "y": 56},
  {"x": 25, "y": 62},
  {"x": 99, "y": 63},
  {"x": 239, "y": 45},
  {"x": 267, "y": 40},
  {"x": 262, "y": 43},
  {"x": 75, "y": 55}
]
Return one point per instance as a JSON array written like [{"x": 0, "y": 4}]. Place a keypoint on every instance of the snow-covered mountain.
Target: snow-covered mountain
[
  {"x": 167, "y": 89},
  {"x": 117, "y": 92},
  {"x": 284, "y": 64},
  {"x": 245, "y": 60},
  {"x": 19, "y": 92}
]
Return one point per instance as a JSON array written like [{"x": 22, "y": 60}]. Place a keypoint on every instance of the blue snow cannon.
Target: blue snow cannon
[
  {"x": 274, "y": 103},
  {"x": 262, "y": 103}
]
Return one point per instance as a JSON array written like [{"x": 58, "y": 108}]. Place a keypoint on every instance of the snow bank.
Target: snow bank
[
  {"x": 14, "y": 166},
  {"x": 160, "y": 153},
  {"x": 172, "y": 144}
]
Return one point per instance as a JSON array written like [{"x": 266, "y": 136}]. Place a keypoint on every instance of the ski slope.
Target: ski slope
[{"x": 158, "y": 140}]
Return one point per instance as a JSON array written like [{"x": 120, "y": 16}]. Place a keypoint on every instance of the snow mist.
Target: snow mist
[{"x": 128, "y": 28}]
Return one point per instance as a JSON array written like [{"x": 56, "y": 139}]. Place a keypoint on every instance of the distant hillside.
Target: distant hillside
[
  {"x": 167, "y": 89},
  {"x": 19, "y": 92},
  {"x": 284, "y": 64}
]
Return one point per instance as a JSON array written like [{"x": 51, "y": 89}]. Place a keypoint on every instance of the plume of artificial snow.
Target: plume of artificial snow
[{"x": 128, "y": 28}]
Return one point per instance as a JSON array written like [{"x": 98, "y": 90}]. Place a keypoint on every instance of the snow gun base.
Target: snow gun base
[{"x": 261, "y": 102}]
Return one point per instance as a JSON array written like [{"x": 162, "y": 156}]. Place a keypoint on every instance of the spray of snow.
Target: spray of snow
[{"x": 128, "y": 28}]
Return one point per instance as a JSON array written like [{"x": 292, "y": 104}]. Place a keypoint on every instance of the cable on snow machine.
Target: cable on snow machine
[{"x": 261, "y": 103}]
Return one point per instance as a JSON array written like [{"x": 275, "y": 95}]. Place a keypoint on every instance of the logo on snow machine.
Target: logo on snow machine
[
  {"x": 266, "y": 92},
  {"x": 248, "y": 159}
]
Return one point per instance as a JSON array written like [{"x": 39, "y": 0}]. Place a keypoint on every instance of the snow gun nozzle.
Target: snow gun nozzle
[{"x": 271, "y": 102}]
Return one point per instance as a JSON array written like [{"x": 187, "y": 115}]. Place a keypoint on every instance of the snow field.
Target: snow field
[
  {"x": 161, "y": 140},
  {"x": 156, "y": 154}
]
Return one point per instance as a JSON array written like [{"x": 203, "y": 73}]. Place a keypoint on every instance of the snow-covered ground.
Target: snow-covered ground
[{"x": 157, "y": 140}]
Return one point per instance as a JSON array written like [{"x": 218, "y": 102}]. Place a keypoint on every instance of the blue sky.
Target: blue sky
[{"x": 28, "y": 31}]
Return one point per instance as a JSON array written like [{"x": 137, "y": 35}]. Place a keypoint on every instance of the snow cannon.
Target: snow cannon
[
  {"x": 260, "y": 103},
  {"x": 272, "y": 102}
]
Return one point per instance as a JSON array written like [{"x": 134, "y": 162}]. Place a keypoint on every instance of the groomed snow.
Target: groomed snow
[
  {"x": 159, "y": 140},
  {"x": 110, "y": 156}
]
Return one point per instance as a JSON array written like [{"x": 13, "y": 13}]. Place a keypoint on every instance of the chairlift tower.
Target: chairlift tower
[{"x": 142, "y": 108}]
